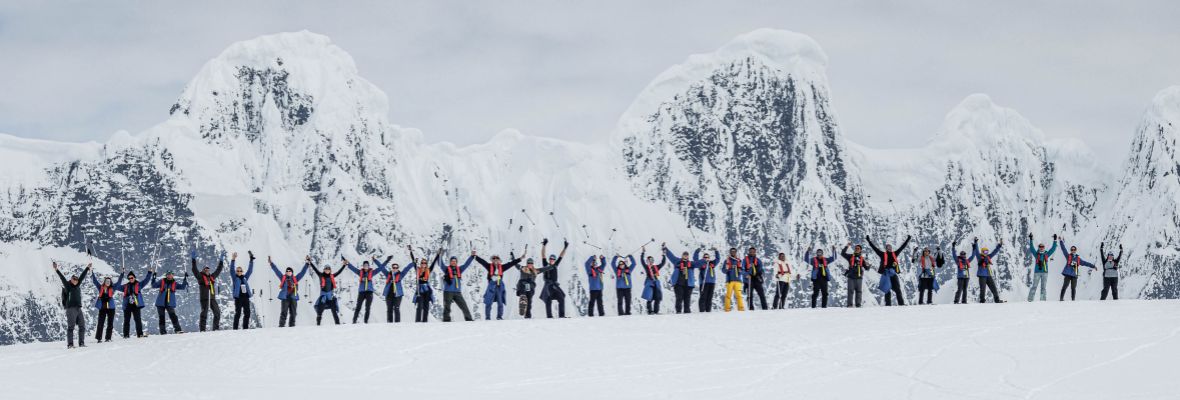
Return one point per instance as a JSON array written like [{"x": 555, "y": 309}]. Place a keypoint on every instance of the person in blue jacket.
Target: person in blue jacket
[
  {"x": 821, "y": 274},
  {"x": 889, "y": 268},
  {"x": 984, "y": 271},
  {"x": 496, "y": 292},
  {"x": 241, "y": 289},
  {"x": 453, "y": 286},
  {"x": 962, "y": 272},
  {"x": 652, "y": 291},
  {"x": 595, "y": 268},
  {"x": 424, "y": 294},
  {"x": 622, "y": 270},
  {"x": 288, "y": 290},
  {"x": 132, "y": 303},
  {"x": 734, "y": 276},
  {"x": 683, "y": 279},
  {"x": 1040, "y": 266},
  {"x": 327, "y": 299},
  {"x": 105, "y": 303},
  {"x": 365, "y": 287},
  {"x": 166, "y": 300},
  {"x": 393, "y": 288},
  {"x": 708, "y": 277},
  {"x": 1073, "y": 262},
  {"x": 551, "y": 291},
  {"x": 755, "y": 284}
]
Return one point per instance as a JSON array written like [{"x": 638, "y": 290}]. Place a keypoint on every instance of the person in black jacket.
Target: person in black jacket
[
  {"x": 1110, "y": 271},
  {"x": 926, "y": 264},
  {"x": 889, "y": 269},
  {"x": 552, "y": 289},
  {"x": 71, "y": 291},
  {"x": 855, "y": 274},
  {"x": 207, "y": 282},
  {"x": 526, "y": 286},
  {"x": 327, "y": 299}
]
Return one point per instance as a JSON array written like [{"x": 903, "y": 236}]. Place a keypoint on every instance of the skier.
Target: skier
[
  {"x": 495, "y": 293},
  {"x": 926, "y": 283},
  {"x": 889, "y": 269},
  {"x": 208, "y": 291},
  {"x": 288, "y": 290},
  {"x": 526, "y": 287},
  {"x": 453, "y": 286},
  {"x": 819, "y": 273},
  {"x": 327, "y": 299},
  {"x": 166, "y": 300},
  {"x": 1110, "y": 271},
  {"x": 622, "y": 271},
  {"x": 708, "y": 277},
  {"x": 241, "y": 289},
  {"x": 1040, "y": 266},
  {"x": 552, "y": 290},
  {"x": 424, "y": 294},
  {"x": 962, "y": 274},
  {"x": 132, "y": 303},
  {"x": 986, "y": 280},
  {"x": 105, "y": 303},
  {"x": 393, "y": 288},
  {"x": 683, "y": 279},
  {"x": 752, "y": 266},
  {"x": 653, "y": 292},
  {"x": 364, "y": 290},
  {"x": 855, "y": 274},
  {"x": 595, "y": 267},
  {"x": 1073, "y": 262},
  {"x": 782, "y": 278},
  {"x": 734, "y": 274},
  {"x": 71, "y": 290}
]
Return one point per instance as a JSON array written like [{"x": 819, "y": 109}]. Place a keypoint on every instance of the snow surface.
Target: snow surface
[{"x": 1080, "y": 350}]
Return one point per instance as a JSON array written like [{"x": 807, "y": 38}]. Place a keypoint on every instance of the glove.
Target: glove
[
  {"x": 544, "y": 241},
  {"x": 192, "y": 253},
  {"x": 250, "y": 253},
  {"x": 565, "y": 243}
]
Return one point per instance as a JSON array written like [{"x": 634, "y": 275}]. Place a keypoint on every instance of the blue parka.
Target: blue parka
[
  {"x": 366, "y": 276},
  {"x": 241, "y": 283},
  {"x": 110, "y": 302},
  {"x": 985, "y": 260},
  {"x": 453, "y": 282},
  {"x": 594, "y": 272},
  {"x": 681, "y": 269},
  {"x": 821, "y": 268},
  {"x": 393, "y": 279},
  {"x": 133, "y": 291},
  {"x": 495, "y": 293},
  {"x": 651, "y": 282},
  {"x": 707, "y": 270},
  {"x": 1073, "y": 262},
  {"x": 288, "y": 289},
  {"x": 623, "y": 275},
  {"x": 167, "y": 295}
]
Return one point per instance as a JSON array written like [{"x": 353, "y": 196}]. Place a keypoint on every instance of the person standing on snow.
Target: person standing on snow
[
  {"x": 72, "y": 300},
  {"x": 393, "y": 288},
  {"x": 288, "y": 290},
  {"x": 889, "y": 270},
  {"x": 683, "y": 279},
  {"x": 453, "y": 286},
  {"x": 166, "y": 300},
  {"x": 496, "y": 292},
  {"x": 707, "y": 278},
  {"x": 105, "y": 303},
  {"x": 1110, "y": 271},
  {"x": 595, "y": 267},
  {"x": 926, "y": 283},
  {"x": 424, "y": 294},
  {"x": 652, "y": 287},
  {"x": 208, "y": 290},
  {"x": 984, "y": 272},
  {"x": 364, "y": 289},
  {"x": 734, "y": 274},
  {"x": 1040, "y": 266},
  {"x": 819, "y": 273},
  {"x": 623, "y": 282},
  {"x": 327, "y": 299},
  {"x": 752, "y": 266},
  {"x": 241, "y": 289},
  {"x": 782, "y": 278},
  {"x": 552, "y": 289},
  {"x": 132, "y": 303},
  {"x": 962, "y": 273},
  {"x": 855, "y": 274},
  {"x": 1073, "y": 262},
  {"x": 526, "y": 287}
]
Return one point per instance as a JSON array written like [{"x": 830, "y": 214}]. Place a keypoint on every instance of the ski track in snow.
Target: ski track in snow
[{"x": 1053, "y": 350}]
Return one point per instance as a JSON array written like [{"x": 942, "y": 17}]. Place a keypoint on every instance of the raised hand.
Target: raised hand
[
  {"x": 565, "y": 243},
  {"x": 234, "y": 256},
  {"x": 473, "y": 252},
  {"x": 55, "y": 265},
  {"x": 544, "y": 241},
  {"x": 250, "y": 253},
  {"x": 1030, "y": 236}
]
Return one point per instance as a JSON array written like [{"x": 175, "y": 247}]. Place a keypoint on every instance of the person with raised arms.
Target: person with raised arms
[
  {"x": 453, "y": 285},
  {"x": 1040, "y": 266},
  {"x": 984, "y": 271},
  {"x": 526, "y": 287},
  {"x": 962, "y": 272},
  {"x": 890, "y": 264},
  {"x": 855, "y": 274},
  {"x": 926, "y": 282},
  {"x": 653, "y": 291},
  {"x": 71, "y": 299},
  {"x": 1073, "y": 262},
  {"x": 496, "y": 292},
  {"x": 820, "y": 274},
  {"x": 288, "y": 290},
  {"x": 424, "y": 294},
  {"x": 683, "y": 279},
  {"x": 132, "y": 303},
  {"x": 364, "y": 289},
  {"x": 208, "y": 290},
  {"x": 551, "y": 291},
  {"x": 708, "y": 277},
  {"x": 595, "y": 267},
  {"x": 393, "y": 288},
  {"x": 327, "y": 299},
  {"x": 1110, "y": 271},
  {"x": 622, "y": 270},
  {"x": 166, "y": 300},
  {"x": 241, "y": 290},
  {"x": 105, "y": 303}
]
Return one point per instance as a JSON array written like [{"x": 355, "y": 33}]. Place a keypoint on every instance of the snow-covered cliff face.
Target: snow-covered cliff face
[{"x": 280, "y": 147}]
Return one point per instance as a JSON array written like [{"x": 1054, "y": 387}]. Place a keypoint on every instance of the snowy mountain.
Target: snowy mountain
[{"x": 279, "y": 146}]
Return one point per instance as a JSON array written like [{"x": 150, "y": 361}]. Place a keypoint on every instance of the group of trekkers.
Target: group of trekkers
[{"x": 739, "y": 273}]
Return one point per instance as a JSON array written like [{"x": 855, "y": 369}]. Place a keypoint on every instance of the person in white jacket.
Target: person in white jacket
[{"x": 782, "y": 275}]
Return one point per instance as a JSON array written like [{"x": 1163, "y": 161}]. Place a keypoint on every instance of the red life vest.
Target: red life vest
[
  {"x": 1075, "y": 262},
  {"x": 168, "y": 290},
  {"x": 134, "y": 293},
  {"x": 652, "y": 271},
  {"x": 890, "y": 260},
  {"x": 595, "y": 271},
  {"x": 497, "y": 269},
  {"x": 756, "y": 265},
  {"x": 209, "y": 281},
  {"x": 292, "y": 288},
  {"x": 961, "y": 263},
  {"x": 331, "y": 278},
  {"x": 106, "y": 292},
  {"x": 985, "y": 262},
  {"x": 1042, "y": 259},
  {"x": 454, "y": 274},
  {"x": 858, "y": 262},
  {"x": 684, "y": 264},
  {"x": 423, "y": 274},
  {"x": 821, "y": 263},
  {"x": 366, "y": 276}
]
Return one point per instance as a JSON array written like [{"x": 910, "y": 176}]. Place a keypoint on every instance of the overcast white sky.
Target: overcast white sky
[{"x": 462, "y": 71}]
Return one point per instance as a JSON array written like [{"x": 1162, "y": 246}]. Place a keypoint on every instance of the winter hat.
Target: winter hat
[
  {"x": 289, "y": 269},
  {"x": 453, "y": 258},
  {"x": 529, "y": 261},
  {"x": 130, "y": 274}
]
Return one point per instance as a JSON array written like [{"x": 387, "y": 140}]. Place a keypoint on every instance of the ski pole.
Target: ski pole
[
  {"x": 586, "y": 231},
  {"x": 694, "y": 234},
  {"x": 644, "y": 245},
  {"x": 588, "y": 244},
  {"x": 554, "y": 219},
  {"x": 612, "y": 234},
  {"x": 526, "y": 215}
]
